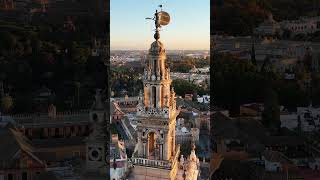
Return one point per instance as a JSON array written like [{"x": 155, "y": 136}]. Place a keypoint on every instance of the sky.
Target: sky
[{"x": 189, "y": 27}]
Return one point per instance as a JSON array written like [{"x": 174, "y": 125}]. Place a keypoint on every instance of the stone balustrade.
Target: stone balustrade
[
  {"x": 152, "y": 163},
  {"x": 158, "y": 163},
  {"x": 45, "y": 115}
]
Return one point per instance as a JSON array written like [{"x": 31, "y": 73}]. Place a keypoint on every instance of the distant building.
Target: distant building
[
  {"x": 274, "y": 161},
  {"x": 188, "y": 97},
  {"x": 204, "y": 99},
  {"x": 185, "y": 134},
  {"x": 308, "y": 118},
  {"x": 18, "y": 159},
  {"x": 283, "y": 54},
  {"x": 115, "y": 112},
  {"x": 304, "y": 25},
  {"x": 200, "y": 70}
]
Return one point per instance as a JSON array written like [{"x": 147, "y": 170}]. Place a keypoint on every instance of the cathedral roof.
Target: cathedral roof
[{"x": 12, "y": 142}]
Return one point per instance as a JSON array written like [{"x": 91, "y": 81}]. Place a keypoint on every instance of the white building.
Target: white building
[
  {"x": 204, "y": 99},
  {"x": 303, "y": 25},
  {"x": 284, "y": 54},
  {"x": 200, "y": 70},
  {"x": 309, "y": 118},
  {"x": 289, "y": 120}
]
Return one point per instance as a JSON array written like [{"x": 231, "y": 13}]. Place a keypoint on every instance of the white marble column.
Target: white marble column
[{"x": 158, "y": 97}]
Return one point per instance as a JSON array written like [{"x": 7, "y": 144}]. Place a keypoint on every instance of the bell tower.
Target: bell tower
[{"x": 156, "y": 154}]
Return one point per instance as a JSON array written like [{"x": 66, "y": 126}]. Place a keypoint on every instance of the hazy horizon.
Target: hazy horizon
[
  {"x": 166, "y": 49},
  {"x": 189, "y": 28}
]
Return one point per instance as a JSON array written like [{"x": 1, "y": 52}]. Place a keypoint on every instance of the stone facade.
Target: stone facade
[{"x": 156, "y": 155}]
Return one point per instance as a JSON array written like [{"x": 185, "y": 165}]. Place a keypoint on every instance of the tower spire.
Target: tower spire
[{"x": 157, "y": 24}]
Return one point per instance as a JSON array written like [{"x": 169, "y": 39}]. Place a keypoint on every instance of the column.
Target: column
[
  {"x": 165, "y": 148},
  {"x": 161, "y": 151}
]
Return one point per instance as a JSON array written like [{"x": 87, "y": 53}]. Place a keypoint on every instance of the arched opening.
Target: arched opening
[
  {"x": 151, "y": 144},
  {"x": 155, "y": 67},
  {"x": 154, "y": 93}
]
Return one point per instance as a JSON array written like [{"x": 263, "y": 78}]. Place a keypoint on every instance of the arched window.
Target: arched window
[
  {"x": 154, "y": 93},
  {"x": 151, "y": 143}
]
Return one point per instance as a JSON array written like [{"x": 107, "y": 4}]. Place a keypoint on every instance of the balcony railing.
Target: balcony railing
[
  {"x": 152, "y": 163},
  {"x": 158, "y": 163}
]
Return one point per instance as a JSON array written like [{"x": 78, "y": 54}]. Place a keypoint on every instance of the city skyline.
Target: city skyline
[{"x": 131, "y": 31}]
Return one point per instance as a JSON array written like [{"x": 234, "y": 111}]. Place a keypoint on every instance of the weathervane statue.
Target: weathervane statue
[{"x": 161, "y": 18}]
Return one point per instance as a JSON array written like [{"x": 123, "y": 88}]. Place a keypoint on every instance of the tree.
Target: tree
[
  {"x": 183, "y": 87},
  {"x": 235, "y": 82},
  {"x": 271, "y": 112}
]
